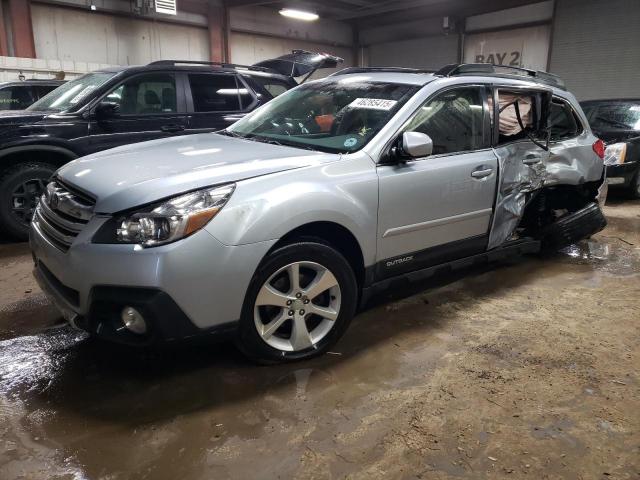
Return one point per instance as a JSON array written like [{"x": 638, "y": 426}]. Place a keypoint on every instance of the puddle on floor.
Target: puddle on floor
[{"x": 616, "y": 257}]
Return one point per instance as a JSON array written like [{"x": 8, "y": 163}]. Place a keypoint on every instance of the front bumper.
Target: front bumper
[
  {"x": 194, "y": 286},
  {"x": 621, "y": 175}
]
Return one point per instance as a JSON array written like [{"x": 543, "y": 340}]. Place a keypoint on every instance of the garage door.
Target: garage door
[{"x": 428, "y": 52}]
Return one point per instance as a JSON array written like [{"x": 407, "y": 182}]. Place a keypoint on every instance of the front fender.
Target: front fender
[
  {"x": 23, "y": 147},
  {"x": 344, "y": 192}
]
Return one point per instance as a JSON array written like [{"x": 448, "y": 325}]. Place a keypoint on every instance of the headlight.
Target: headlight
[
  {"x": 168, "y": 221},
  {"x": 615, "y": 153}
]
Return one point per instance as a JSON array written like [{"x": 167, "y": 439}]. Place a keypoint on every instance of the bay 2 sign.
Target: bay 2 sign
[{"x": 521, "y": 47}]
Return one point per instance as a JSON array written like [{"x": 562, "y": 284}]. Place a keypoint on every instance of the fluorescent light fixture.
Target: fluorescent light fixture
[{"x": 299, "y": 14}]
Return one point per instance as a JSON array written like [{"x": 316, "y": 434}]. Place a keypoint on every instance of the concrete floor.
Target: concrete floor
[{"x": 526, "y": 370}]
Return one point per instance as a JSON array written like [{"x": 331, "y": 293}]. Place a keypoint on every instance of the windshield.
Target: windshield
[
  {"x": 69, "y": 94},
  {"x": 332, "y": 116},
  {"x": 617, "y": 116}
]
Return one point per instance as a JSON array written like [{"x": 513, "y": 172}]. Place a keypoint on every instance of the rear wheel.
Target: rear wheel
[
  {"x": 20, "y": 188},
  {"x": 634, "y": 188},
  {"x": 298, "y": 304}
]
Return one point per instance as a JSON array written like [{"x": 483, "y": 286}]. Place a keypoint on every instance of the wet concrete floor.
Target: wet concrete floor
[{"x": 525, "y": 370}]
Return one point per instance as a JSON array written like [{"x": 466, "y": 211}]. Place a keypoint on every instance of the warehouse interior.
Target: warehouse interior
[
  {"x": 589, "y": 46},
  {"x": 523, "y": 368}
]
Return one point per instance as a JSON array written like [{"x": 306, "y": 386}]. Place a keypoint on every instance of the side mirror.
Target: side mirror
[
  {"x": 107, "y": 110},
  {"x": 416, "y": 144}
]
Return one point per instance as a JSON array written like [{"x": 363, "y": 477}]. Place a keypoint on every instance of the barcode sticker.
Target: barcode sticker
[
  {"x": 82, "y": 94},
  {"x": 373, "y": 103}
]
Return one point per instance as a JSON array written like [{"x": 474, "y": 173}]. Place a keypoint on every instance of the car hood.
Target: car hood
[
  {"x": 17, "y": 117},
  {"x": 138, "y": 174}
]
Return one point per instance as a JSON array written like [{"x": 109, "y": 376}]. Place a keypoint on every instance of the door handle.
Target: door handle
[
  {"x": 531, "y": 159},
  {"x": 172, "y": 128},
  {"x": 485, "y": 172}
]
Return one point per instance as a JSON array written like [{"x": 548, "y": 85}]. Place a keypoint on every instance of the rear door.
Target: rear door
[
  {"x": 216, "y": 100},
  {"x": 151, "y": 106},
  {"x": 438, "y": 208}
]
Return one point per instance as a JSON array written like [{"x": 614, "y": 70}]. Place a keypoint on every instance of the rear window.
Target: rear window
[{"x": 613, "y": 116}]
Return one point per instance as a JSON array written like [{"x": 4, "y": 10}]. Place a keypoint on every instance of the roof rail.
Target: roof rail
[
  {"x": 347, "y": 70},
  {"x": 456, "y": 69},
  {"x": 212, "y": 64}
]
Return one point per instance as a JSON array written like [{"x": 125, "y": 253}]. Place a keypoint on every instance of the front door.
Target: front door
[
  {"x": 149, "y": 109},
  {"x": 438, "y": 208}
]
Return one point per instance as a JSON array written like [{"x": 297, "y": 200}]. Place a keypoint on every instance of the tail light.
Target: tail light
[{"x": 599, "y": 148}]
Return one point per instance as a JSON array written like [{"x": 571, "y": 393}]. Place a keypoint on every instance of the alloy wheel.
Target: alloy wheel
[
  {"x": 297, "y": 306},
  {"x": 24, "y": 198}
]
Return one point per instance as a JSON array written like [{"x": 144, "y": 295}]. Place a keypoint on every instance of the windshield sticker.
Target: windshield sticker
[
  {"x": 82, "y": 93},
  {"x": 373, "y": 103},
  {"x": 350, "y": 142}
]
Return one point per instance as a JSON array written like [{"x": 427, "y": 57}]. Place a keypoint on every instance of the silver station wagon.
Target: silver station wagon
[{"x": 277, "y": 230}]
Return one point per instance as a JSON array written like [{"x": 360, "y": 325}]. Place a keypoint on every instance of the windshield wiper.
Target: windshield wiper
[{"x": 228, "y": 133}]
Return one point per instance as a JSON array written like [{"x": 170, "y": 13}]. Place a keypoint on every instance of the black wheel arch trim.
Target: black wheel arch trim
[{"x": 40, "y": 148}]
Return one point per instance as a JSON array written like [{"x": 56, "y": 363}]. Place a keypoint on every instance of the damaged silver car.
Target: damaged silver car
[{"x": 278, "y": 229}]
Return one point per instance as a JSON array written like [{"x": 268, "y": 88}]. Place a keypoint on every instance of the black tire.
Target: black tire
[
  {"x": 633, "y": 191},
  {"x": 20, "y": 187},
  {"x": 249, "y": 340}
]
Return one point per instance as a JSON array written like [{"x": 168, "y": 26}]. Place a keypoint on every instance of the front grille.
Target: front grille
[{"x": 62, "y": 213}]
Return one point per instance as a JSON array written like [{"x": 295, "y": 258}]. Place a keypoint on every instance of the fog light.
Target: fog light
[{"x": 133, "y": 320}]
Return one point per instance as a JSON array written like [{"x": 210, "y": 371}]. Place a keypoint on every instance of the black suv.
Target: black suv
[
  {"x": 19, "y": 95},
  {"x": 118, "y": 106},
  {"x": 617, "y": 122}
]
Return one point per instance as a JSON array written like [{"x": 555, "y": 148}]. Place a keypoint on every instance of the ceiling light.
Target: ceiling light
[{"x": 299, "y": 14}]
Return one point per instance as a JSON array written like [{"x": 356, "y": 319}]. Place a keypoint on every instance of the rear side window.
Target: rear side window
[
  {"x": 267, "y": 88},
  {"x": 216, "y": 93},
  {"x": 17, "y": 97},
  {"x": 273, "y": 86},
  {"x": 42, "y": 90},
  {"x": 455, "y": 120},
  {"x": 563, "y": 123}
]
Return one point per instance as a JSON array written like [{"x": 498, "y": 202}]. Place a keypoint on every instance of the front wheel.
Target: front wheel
[
  {"x": 299, "y": 303},
  {"x": 20, "y": 188}
]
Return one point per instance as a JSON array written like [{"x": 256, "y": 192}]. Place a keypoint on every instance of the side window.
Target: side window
[
  {"x": 246, "y": 99},
  {"x": 215, "y": 93},
  {"x": 42, "y": 90},
  {"x": 514, "y": 104},
  {"x": 16, "y": 98},
  {"x": 273, "y": 86},
  {"x": 563, "y": 123},
  {"x": 146, "y": 94},
  {"x": 455, "y": 121}
]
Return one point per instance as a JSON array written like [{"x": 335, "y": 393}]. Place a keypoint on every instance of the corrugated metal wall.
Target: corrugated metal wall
[
  {"x": 428, "y": 52},
  {"x": 596, "y": 47}
]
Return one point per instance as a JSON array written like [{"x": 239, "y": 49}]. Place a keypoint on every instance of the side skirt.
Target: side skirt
[{"x": 509, "y": 250}]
